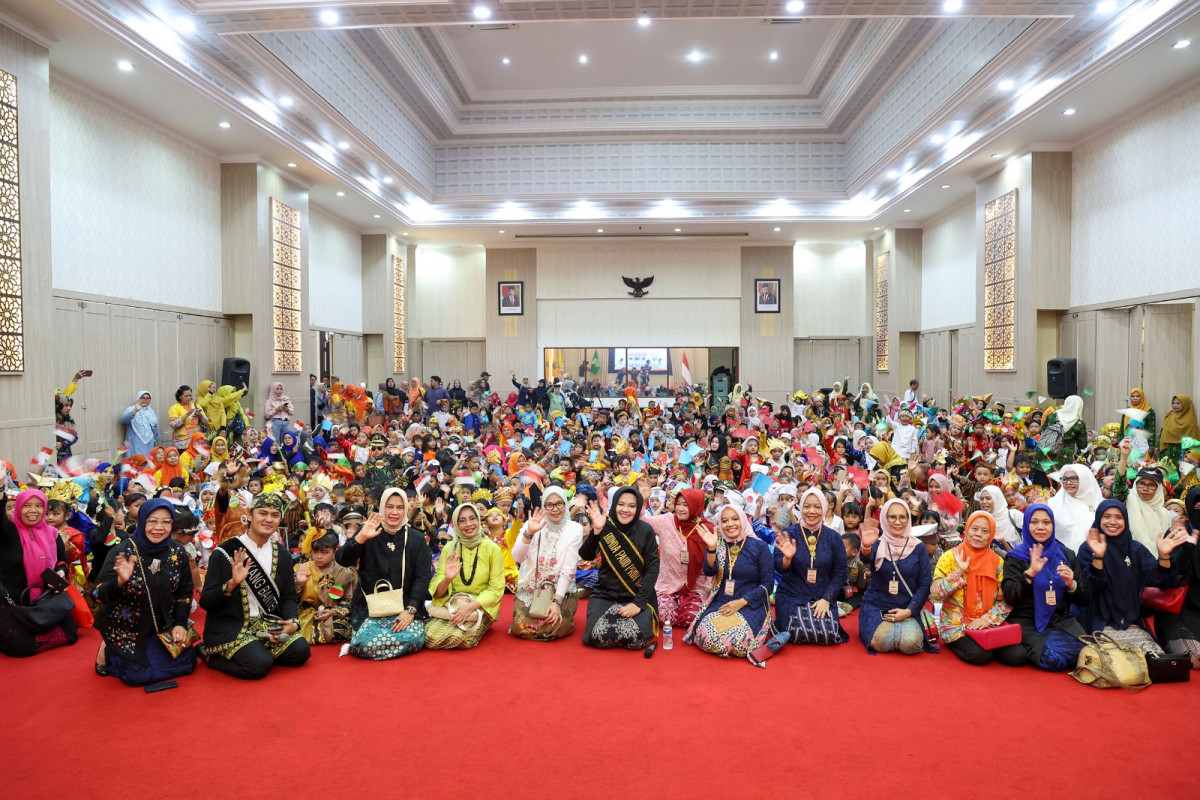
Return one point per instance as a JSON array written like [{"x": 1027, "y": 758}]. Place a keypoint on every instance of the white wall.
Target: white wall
[
  {"x": 449, "y": 297},
  {"x": 1135, "y": 204},
  {"x": 335, "y": 273},
  {"x": 948, "y": 269},
  {"x": 830, "y": 290},
  {"x": 135, "y": 213}
]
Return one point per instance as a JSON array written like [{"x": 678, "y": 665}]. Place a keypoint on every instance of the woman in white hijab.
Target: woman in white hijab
[
  {"x": 1148, "y": 516},
  {"x": 547, "y": 549},
  {"x": 1064, "y": 447},
  {"x": 1074, "y": 505},
  {"x": 992, "y": 500}
]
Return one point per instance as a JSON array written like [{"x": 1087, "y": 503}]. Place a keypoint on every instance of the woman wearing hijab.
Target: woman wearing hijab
[
  {"x": 682, "y": 585},
  {"x": 28, "y": 547},
  {"x": 471, "y": 572},
  {"x": 170, "y": 468},
  {"x": 944, "y": 501},
  {"x": 623, "y": 607},
  {"x": 210, "y": 404},
  {"x": 1074, "y": 505},
  {"x": 279, "y": 410},
  {"x": 386, "y": 548},
  {"x": 1179, "y": 423},
  {"x": 967, "y": 582},
  {"x": 1137, "y": 399},
  {"x": 141, "y": 425},
  {"x": 1148, "y": 515},
  {"x": 992, "y": 500},
  {"x": 235, "y": 419},
  {"x": 1042, "y": 581},
  {"x": 717, "y": 461},
  {"x": 737, "y": 616},
  {"x": 145, "y": 591},
  {"x": 811, "y": 561},
  {"x": 889, "y": 617},
  {"x": 547, "y": 548},
  {"x": 186, "y": 417},
  {"x": 889, "y": 461},
  {"x": 1073, "y": 438},
  {"x": 289, "y": 449},
  {"x": 1178, "y": 630},
  {"x": 1118, "y": 568}
]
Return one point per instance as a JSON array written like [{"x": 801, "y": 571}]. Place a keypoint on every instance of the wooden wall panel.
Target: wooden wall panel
[
  {"x": 817, "y": 363},
  {"x": 767, "y": 349},
  {"x": 1168, "y": 362},
  {"x": 512, "y": 342}
]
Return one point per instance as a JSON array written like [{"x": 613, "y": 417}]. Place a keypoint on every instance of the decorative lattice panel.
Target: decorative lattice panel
[
  {"x": 399, "y": 326},
  {"x": 12, "y": 325},
  {"x": 882, "y": 262},
  {"x": 999, "y": 281},
  {"x": 287, "y": 289}
]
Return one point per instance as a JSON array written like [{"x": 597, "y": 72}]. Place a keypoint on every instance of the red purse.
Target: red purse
[
  {"x": 998, "y": 636},
  {"x": 1168, "y": 600}
]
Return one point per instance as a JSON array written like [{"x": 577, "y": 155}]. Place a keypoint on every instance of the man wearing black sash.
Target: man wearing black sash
[{"x": 250, "y": 598}]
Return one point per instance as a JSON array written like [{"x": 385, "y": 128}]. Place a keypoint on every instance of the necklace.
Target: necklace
[{"x": 468, "y": 577}]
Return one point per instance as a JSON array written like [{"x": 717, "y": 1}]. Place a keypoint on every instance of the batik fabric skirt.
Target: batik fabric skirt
[
  {"x": 375, "y": 640},
  {"x": 606, "y": 628},
  {"x": 440, "y": 634},
  {"x": 526, "y": 627},
  {"x": 727, "y": 635},
  {"x": 679, "y": 609}
]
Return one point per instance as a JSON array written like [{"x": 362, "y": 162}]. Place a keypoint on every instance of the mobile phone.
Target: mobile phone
[
  {"x": 87, "y": 373},
  {"x": 161, "y": 687}
]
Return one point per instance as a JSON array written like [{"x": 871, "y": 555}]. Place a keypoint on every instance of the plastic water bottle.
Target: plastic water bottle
[{"x": 668, "y": 641}]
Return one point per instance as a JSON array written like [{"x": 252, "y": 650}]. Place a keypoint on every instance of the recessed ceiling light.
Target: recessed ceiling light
[
  {"x": 945, "y": 186},
  {"x": 773, "y": 55},
  {"x": 876, "y": 227},
  {"x": 777, "y": 230},
  {"x": 937, "y": 138},
  {"x": 794, "y": 6},
  {"x": 376, "y": 216},
  {"x": 343, "y": 145},
  {"x": 893, "y": 174},
  {"x": 997, "y": 155},
  {"x": 482, "y": 12},
  {"x": 185, "y": 25},
  {"x": 1182, "y": 43},
  {"x": 291, "y": 165},
  {"x": 907, "y": 210},
  {"x": 499, "y": 231},
  {"x": 224, "y": 124},
  {"x": 286, "y": 101},
  {"x": 341, "y": 194},
  {"x": 330, "y": 17},
  {"x": 695, "y": 56},
  {"x": 506, "y": 61},
  {"x": 679, "y": 230},
  {"x": 404, "y": 233},
  {"x": 1068, "y": 112},
  {"x": 1006, "y": 85},
  {"x": 644, "y": 20},
  {"x": 1106, "y": 6},
  {"x": 388, "y": 180},
  {"x": 583, "y": 58},
  {"x": 599, "y": 230},
  {"x": 124, "y": 66},
  {"x": 952, "y": 6}
]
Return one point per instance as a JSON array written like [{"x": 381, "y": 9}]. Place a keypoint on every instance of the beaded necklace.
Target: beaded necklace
[{"x": 467, "y": 577}]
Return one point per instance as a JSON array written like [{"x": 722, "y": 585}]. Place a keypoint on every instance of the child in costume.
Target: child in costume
[{"x": 323, "y": 592}]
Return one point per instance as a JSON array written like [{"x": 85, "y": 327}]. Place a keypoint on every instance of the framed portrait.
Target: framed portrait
[
  {"x": 766, "y": 296},
  {"x": 511, "y": 298}
]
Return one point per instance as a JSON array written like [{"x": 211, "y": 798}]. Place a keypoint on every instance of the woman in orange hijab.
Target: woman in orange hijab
[
  {"x": 967, "y": 582},
  {"x": 1137, "y": 399},
  {"x": 356, "y": 402}
]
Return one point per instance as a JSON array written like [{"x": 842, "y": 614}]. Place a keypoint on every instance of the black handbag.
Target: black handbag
[
  {"x": 1169, "y": 668},
  {"x": 44, "y": 614}
]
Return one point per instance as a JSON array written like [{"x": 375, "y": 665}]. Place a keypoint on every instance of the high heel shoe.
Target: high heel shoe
[{"x": 101, "y": 667}]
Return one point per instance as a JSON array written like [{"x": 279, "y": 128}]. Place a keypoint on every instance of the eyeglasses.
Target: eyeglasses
[
  {"x": 1070, "y": 479},
  {"x": 894, "y": 518},
  {"x": 154, "y": 523},
  {"x": 555, "y": 506}
]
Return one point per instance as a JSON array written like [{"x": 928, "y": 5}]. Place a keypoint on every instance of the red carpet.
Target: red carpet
[{"x": 558, "y": 720}]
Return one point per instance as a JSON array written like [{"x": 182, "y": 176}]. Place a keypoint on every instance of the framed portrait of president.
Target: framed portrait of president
[
  {"x": 766, "y": 296},
  {"x": 511, "y": 298}
]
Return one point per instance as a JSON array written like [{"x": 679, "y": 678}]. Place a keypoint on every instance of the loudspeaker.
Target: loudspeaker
[
  {"x": 235, "y": 372},
  {"x": 1061, "y": 378}
]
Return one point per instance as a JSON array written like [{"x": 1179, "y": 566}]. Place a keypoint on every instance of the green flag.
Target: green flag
[{"x": 595, "y": 362}]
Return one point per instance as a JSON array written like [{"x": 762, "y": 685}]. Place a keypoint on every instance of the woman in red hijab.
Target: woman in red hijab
[
  {"x": 28, "y": 547},
  {"x": 681, "y": 584}
]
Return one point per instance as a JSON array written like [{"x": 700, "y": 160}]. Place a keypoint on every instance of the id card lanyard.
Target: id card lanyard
[
  {"x": 894, "y": 583},
  {"x": 811, "y": 543},
  {"x": 731, "y": 556}
]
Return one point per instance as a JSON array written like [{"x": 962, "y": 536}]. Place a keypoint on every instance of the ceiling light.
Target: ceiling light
[
  {"x": 185, "y": 25},
  {"x": 404, "y": 233},
  {"x": 777, "y": 230},
  {"x": 330, "y": 17},
  {"x": 877, "y": 228},
  {"x": 505, "y": 61},
  {"x": 893, "y": 174},
  {"x": 1106, "y": 6},
  {"x": 341, "y": 194},
  {"x": 644, "y": 20},
  {"x": 695, "y": 56},
  {"x": 286, "y": 101},
  {"x": 773, "y": 55},
  {"x": 678, "y": 230},
  {"x": 376, "y": 216},
  {"x": 997, "y": 155},
  {"x": 291, "y": 165},
  {"x": 124, "y": 66},
  {"x": 583, "y": 58},
  {"x": 343, "y": 145},
  {"x": 945, "y": 186},
  {"x": 599, "y": 230},
  {"x": 224, "y": 124},
  {"x": 952, "y": 6},
  {"x": 907, "y": 210},
  {"x": 482, "y": 12},
  {"x": 1006, "y": 85},
  {"x": 1182, "y": 43},
  {"x": 1068, "y": 112},
  {"x": 794, "y": 6},
  {"x": 937, "y": 138},
  {"x": 388, "y": 180},
  {"x": 499, "y": 231}
]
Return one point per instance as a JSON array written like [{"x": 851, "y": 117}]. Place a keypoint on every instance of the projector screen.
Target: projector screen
[{"x": 636, "y": 357}]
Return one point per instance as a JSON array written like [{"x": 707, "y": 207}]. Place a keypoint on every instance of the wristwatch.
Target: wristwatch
[
  {"x": 412, "y": 610},
  {"x": 557, "y": 602}
]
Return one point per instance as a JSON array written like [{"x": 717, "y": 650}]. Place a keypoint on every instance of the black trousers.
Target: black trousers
[
  {"x": 254, "y": 660},
  {"x": 967, "y": 650}
]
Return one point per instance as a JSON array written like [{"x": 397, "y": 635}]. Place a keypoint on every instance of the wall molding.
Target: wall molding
[{"x": 126, "y": 302}]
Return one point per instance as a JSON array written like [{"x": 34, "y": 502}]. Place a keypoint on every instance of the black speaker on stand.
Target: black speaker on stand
[
  {"x": 235, "y": 372},
  {"x": 1061, "y": 378}
]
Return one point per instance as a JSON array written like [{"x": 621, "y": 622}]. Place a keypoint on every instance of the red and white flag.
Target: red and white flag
[{"x": 687, "y": 371}]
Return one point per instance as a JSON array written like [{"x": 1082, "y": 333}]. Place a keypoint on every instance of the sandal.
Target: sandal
[{"x": 101, "y": 667}]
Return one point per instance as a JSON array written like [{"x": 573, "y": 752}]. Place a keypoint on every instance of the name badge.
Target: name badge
[
  {"x": 812, "y": 575},
  {"x": 729, "y": 587},
  {"x": 683, "y": 557},
  {"x": 1051, "y": 598},
  {"x": 893, "y": 586}
]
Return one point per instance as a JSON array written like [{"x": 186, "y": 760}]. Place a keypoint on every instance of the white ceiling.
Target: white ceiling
[{"x": 86, "y": 55}]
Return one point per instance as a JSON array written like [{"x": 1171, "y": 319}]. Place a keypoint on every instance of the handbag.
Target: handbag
[
  {"x": 168, "y": 641},
  {"x": 1169, "y": 668},
  {"x": 805, "y": 628},
  {"x": 996, "y": 637},
  {"x": 47, "y": 612},
  {"x": 543, "y": 595},
  {"x": 455, "y": 602},
  {"x": 388, "y": 603},
  {"x": 1106, "y": 663},
  {"x": 1168, "y": 600}
]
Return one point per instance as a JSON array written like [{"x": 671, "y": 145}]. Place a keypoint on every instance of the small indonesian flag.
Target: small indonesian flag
[
  {"x": 687, "y": 371},
  {"x": 336, "y": 592}
]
